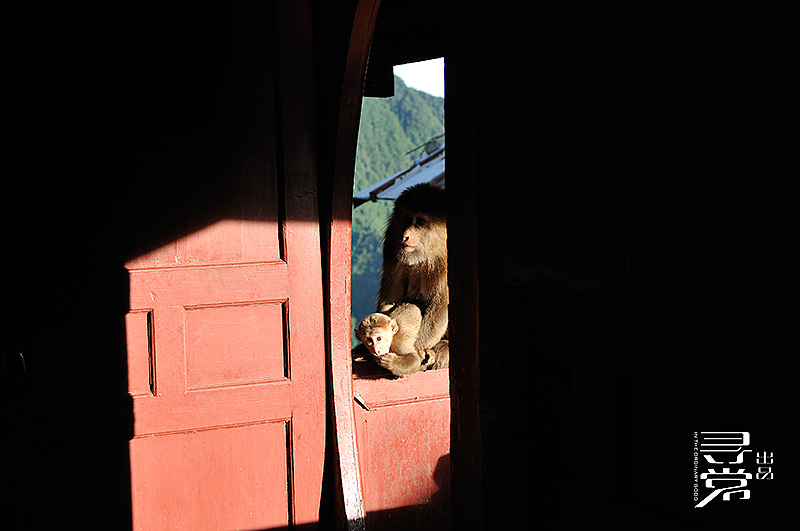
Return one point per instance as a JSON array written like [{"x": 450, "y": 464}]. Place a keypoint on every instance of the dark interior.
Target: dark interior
[{"x": 617, "y": 198}]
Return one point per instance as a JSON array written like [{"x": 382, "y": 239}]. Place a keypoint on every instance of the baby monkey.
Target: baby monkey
[{"x": 390, "y": 337}]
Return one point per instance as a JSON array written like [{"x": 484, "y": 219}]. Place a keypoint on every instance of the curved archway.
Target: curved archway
[{"x": 338, "y": 257}]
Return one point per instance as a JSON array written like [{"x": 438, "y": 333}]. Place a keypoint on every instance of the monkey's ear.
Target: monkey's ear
[
  {"x": 358, "y": 335},
  {"x": 393, "y": 326}
]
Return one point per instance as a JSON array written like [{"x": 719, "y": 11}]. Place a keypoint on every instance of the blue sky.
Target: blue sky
[{"x": 425, "y": 75}]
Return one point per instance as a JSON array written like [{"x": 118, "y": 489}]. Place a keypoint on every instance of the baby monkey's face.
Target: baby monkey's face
[
  {"x": 379, "y": 344},
  {"x": 376, "y": 332}
]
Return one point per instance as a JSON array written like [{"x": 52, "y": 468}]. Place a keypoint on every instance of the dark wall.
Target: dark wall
[{"x": 631, "y": 243}]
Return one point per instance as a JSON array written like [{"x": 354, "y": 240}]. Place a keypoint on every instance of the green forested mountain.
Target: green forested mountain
[{"x": 389, "y": 128}]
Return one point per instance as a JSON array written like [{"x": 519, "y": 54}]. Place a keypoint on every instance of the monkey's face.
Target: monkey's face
[
  {"x": 417, "y": 230},
  {"x": 376, "y": 332},
  {"x": 419, "y": 239},
  {"x": 378, "y": 344}
]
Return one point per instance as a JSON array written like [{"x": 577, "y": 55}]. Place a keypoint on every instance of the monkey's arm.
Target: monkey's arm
[
  {"x": 390, "y": 292},
  {"x": 434, "y": 320},
  {"x": 401, "y": 364}
]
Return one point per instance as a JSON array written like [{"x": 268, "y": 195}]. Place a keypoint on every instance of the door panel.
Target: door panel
[
  {"x": 202, "y": 479},
  {"x": 209, "y": 359},
  {"x": 403, "y": 435},
  {"x": 139, "y": 345},
  {"x": 234, "y": 345}
]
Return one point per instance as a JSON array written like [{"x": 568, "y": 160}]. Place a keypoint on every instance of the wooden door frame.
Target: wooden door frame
[
  {"x": 339, "y": 265},
  {"x": 463, "y": 108},
  {"x": 293, "y": 28}
]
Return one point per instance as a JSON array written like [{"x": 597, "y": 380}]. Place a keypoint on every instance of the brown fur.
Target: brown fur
[
  {"x": 415, "y": 271},
  {"x": 391, "y": 336}
]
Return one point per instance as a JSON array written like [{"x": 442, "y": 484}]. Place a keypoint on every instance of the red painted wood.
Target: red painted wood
[
  {"x": 212, "y": 407},
  {"x": 213, "y": 358},
  {"x": 225, "y": 333},
  {"x": 229, "y": 345},
  {"x": 137, "y": 329},
  {"x": 208, "y": 286},
  {"x": 229, "y": 478},
  {"x": 339, "y": 261},
  {"x": 227, "y": 241},
  {"x": 430, "y": 385},
  {"x": 404, "y": 450},
  {"x": 302, "y": 253}
]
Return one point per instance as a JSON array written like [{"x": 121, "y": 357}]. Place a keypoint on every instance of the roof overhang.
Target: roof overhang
[{"x": 428, "y": 168}]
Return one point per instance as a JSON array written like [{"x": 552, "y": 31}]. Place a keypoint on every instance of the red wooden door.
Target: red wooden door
[
  {"x": 403, "y": 434},
  {"x": 228, "y": 404},
  {"x": 226, "y": 359}
]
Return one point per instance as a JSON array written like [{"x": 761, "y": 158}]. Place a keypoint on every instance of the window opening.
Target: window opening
[{"x": 401, "y": 142}]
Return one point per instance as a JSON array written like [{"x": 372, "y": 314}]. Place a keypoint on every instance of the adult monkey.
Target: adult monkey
[{"x": 415, "y": 270}]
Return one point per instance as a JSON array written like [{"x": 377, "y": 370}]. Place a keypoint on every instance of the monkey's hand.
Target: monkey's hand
[
  {"x": 401, "y": 365},
  {"x": 438, "y": 356}
]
